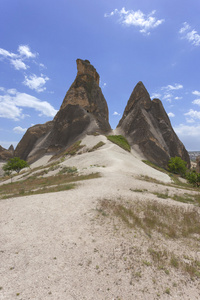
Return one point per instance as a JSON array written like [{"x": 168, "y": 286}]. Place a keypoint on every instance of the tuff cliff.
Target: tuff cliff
[
  {"x": 148, "y": 128},
  {"x": 84, "y": 110}
]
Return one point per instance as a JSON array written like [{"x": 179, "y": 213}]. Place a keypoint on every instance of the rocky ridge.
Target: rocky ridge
[{"x": 84, "y": 111}]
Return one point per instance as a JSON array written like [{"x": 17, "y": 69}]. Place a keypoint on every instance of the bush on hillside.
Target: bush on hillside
[
  {"x": 14, "y": 164},
  {"x": 177, "y": 166},
  {"x": 194, "y": 178}
]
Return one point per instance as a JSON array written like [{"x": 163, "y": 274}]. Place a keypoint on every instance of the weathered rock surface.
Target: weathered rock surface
[
  {"x": 6, "y": 154},
  {"x": 84, "y": 110},
  {"x": 147, "y": 127}
]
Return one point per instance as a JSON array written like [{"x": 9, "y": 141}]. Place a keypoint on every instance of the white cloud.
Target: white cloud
[
  {"x": 190, "y": 34},
  {"x": 137, "y": 19},
  {"x": 24, "y": 50},
  {"x": 193, "y": 114},
  {"x": 19, "y": 129},
  {"x": 12, "y": 91},
  {"x": 197, "y": 101},
  {"x": 178, "y": 98},
  {"x": 17, "y": 59},
  {"x": 167, "y": 97},
  {"x": 170, "y": 87},
  {"x": 2, "y": 89},
  {"x": 189, "y": 135},
  {"x": 42, "y": 66},
  {"x": 4, "y": 53},
  {"x": 11, "y": 106},
  {"x": 116, "y": 113},
  {"x": 188, "y": 120},
  {"x": 36, "y": 83},
  {"x": 155, "y": 96},
  {"x": 18, "y": 64},
  {"x": 197, "y": 93},
  {"x": 171, "y": 115},
  {"x": 8, "y": 109}
]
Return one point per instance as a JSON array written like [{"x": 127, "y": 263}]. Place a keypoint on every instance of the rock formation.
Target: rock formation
[
  {"x": 6, "y": 154},
  {"x": 84, "y": 110},
  {"x": 147, "y": 127}
]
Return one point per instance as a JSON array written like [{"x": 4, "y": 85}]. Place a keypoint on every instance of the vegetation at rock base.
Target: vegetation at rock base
[
  {"x": 14, "y": 164},
  {"x": 177, "y": 166},
  {"x": 121, "y": 141},
  {"x": 194, "y": 178}
]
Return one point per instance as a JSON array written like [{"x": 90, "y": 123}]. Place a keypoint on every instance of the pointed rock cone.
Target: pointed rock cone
[
  {"x": 147, "y": 127},
  {"x": 84, "y": 111}
]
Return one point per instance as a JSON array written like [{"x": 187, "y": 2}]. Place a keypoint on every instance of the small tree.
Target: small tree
[
  {"x": 14, "y": 164},
  {"x": 194, "y": 178},
  {"x": 177, "y": 166}
]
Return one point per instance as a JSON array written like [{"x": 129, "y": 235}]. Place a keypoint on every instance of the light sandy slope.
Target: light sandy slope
[{"x": 56, "y": 246}]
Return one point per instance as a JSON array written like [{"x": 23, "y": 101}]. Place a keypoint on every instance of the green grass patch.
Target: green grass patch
[
  {"x": 69, "y": 170},
  {"x": 97, "y": 146},
  {"x": 121, "y": 141}
]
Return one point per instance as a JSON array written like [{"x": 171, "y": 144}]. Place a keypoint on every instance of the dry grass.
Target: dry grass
[
  {"x": 154, "y": 221},
  {"x": 71, "y": 150},
  {"x": 170, "y": 221},
  {"x": 35, "y": 184}
]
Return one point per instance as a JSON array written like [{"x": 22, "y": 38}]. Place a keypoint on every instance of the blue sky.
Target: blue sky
[{"x": 156, "y": 42}]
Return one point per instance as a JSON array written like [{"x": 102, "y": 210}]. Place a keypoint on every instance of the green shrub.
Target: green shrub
[
  {"x": 177, "y": 166},
  {"x": 194, "y": 178},
  {"x": 15, "y": 164},
  {"x": 121, "y": 141}
]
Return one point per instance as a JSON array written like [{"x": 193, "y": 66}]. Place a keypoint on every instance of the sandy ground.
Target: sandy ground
[{"x": 58, "y": 246}]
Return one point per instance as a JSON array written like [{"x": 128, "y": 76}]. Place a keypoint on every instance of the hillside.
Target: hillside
[{"x": 126, "y": 232}]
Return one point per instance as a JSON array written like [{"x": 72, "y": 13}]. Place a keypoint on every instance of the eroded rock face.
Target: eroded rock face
[
  {"x": 147, "y": 126},
  {"x": 6, "y": 154},
  {"x": 84, "y": 110},
  {"x": 34, "y": 142}
]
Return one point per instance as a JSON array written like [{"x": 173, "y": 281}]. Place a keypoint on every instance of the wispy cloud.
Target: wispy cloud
[
  {"x": 19, "y": 129},
  {"x": 196, "y": 93},
  {"x": 156, "y": 96},
  {"x": 137, "y": 19},
  {"x": 35, "y": 82},
  {"x": 197, "y": 101},
  {"x": 193, "y": 114},
  {"x": 186, "y": 32},
  {"x": 18, "y": 64},
  {"x": 17, "y": 60},
  {"x": 24, "y": 50},
  {"x": 11, "y": 106},
  {"x": 170, "y": 87},
  {"x": 167, "y": 97}
]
